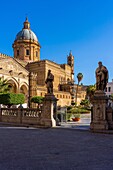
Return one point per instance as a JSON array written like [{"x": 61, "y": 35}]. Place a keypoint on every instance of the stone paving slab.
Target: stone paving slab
[{"x": 54, "y": 149}]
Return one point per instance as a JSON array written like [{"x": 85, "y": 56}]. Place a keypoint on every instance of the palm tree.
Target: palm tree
[
  {"x": 79, "y": 77},
  {"x": 4, "y": 86}
]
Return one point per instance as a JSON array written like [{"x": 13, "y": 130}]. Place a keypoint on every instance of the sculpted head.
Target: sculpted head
[
  {"x": 49, "y": 71},
  {"x": 100, "y": 63}
]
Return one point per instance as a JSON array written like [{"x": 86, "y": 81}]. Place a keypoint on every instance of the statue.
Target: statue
[
  {"x": 101, "y": 77},
  {"x": 49, "y": 82}
]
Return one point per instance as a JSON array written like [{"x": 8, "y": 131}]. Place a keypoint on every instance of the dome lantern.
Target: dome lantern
[{"x": 26, "y": 24}]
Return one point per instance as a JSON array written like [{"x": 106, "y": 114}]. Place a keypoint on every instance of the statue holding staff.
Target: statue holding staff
[{"x": 101, "y": 77}]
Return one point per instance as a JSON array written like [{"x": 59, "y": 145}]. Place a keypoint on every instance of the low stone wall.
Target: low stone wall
[
  {"x": 32, "y": 116},
  {"x": 28, "y": 116}
]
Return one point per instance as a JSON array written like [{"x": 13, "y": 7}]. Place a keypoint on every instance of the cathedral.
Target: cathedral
[{"x": 26, "y": 72}]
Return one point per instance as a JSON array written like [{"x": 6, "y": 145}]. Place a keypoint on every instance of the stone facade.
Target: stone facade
[
  {"x": 26, "y": 73},
  {"x": 16, "y": 75}
]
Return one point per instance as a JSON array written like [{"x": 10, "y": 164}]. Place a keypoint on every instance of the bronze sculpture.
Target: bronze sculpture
[
  {"x": 101, "y": 77},
  {"x": 49, "y": 82}
]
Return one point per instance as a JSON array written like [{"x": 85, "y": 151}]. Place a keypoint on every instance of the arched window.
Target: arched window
[
  {"x": 27, "y": 52},
  {"x": 17, "y": 52}
]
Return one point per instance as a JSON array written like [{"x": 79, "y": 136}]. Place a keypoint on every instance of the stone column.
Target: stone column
[
  {"x": 98, "y": 115},
  {"x": 32, "y": 88},
  {"x": 48, "y": 111}
]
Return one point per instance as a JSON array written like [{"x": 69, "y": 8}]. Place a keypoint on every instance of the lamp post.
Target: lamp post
[{"x": 79, "y": 77}]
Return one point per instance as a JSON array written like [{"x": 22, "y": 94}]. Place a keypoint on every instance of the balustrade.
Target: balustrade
[
  {"x": 20, "y": 115},
  {"x": 9, "y": 112}
]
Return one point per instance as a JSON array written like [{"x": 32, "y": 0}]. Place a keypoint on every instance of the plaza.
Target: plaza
[{"x": 54, "y": 149}]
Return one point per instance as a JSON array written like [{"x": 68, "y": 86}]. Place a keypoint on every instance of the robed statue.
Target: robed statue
[
  {"x": 49, "y": 82},
  {"x": 101, "y": 77}
]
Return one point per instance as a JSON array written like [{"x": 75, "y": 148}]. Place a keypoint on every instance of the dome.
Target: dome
[{"x": 26, "y": 33}]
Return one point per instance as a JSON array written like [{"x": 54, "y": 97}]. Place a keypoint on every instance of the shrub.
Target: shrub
[
  {"x": 77, "y": 115},
  {"x": 69, "y": 116},
  {"x": 11, "y": 99},
  {"x": 69, "y": 107},
  {"x": 37, "y": 99},
  {"x": 78, "y": 110}
]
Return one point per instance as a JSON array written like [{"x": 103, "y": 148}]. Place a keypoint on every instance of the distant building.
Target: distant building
[
  {"x": 109, "y": 88},
  {"x": 109, "y": 91}
]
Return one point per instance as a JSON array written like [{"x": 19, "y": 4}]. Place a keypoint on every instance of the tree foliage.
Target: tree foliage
[
  {"x": 85, "y": 102},
  {"x": 79, "y": 77},
  {"x": 90, "y": 91},
  {"x": 37, "y": 99},
  {"x": 4, "y": 86},
  {"x": 111, "y": 97},
  {"x": 11, "y": 99}
]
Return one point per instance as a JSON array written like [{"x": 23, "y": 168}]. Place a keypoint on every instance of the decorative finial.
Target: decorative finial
[
  {"x": 26, "y": 19},
  {"x": 26, "y": 16},
  {"x": 70, "y": 53}
]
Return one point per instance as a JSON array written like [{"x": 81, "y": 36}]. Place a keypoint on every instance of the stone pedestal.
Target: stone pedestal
[
  {"x": 98, "y": 115},
  {"x": 48, "y": 111}
]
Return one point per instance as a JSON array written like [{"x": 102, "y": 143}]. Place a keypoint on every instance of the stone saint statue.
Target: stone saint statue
[
  {"x": 49, "y": 82},
  {"x": 101, "y": 77}
]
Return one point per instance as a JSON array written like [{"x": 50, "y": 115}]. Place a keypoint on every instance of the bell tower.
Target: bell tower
[
  {"x": 26, "y": 46},
  {"x": 70, "y": 62}
]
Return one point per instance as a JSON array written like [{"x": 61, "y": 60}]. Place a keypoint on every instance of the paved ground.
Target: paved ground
[
  {"x": 54, "y": 149},
  {"x": 83, "y": 124}
]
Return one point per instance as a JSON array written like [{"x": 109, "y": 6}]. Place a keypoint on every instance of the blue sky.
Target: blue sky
[{"x": 83, "y": 26}]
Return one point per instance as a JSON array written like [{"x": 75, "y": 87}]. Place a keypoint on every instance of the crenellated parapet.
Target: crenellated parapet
[{"x": 4, "y": 55}]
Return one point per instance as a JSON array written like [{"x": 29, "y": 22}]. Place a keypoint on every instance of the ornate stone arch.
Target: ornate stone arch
[
  {"x": 13, "y": 84},
  {"x": 24, "y": 89}
]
